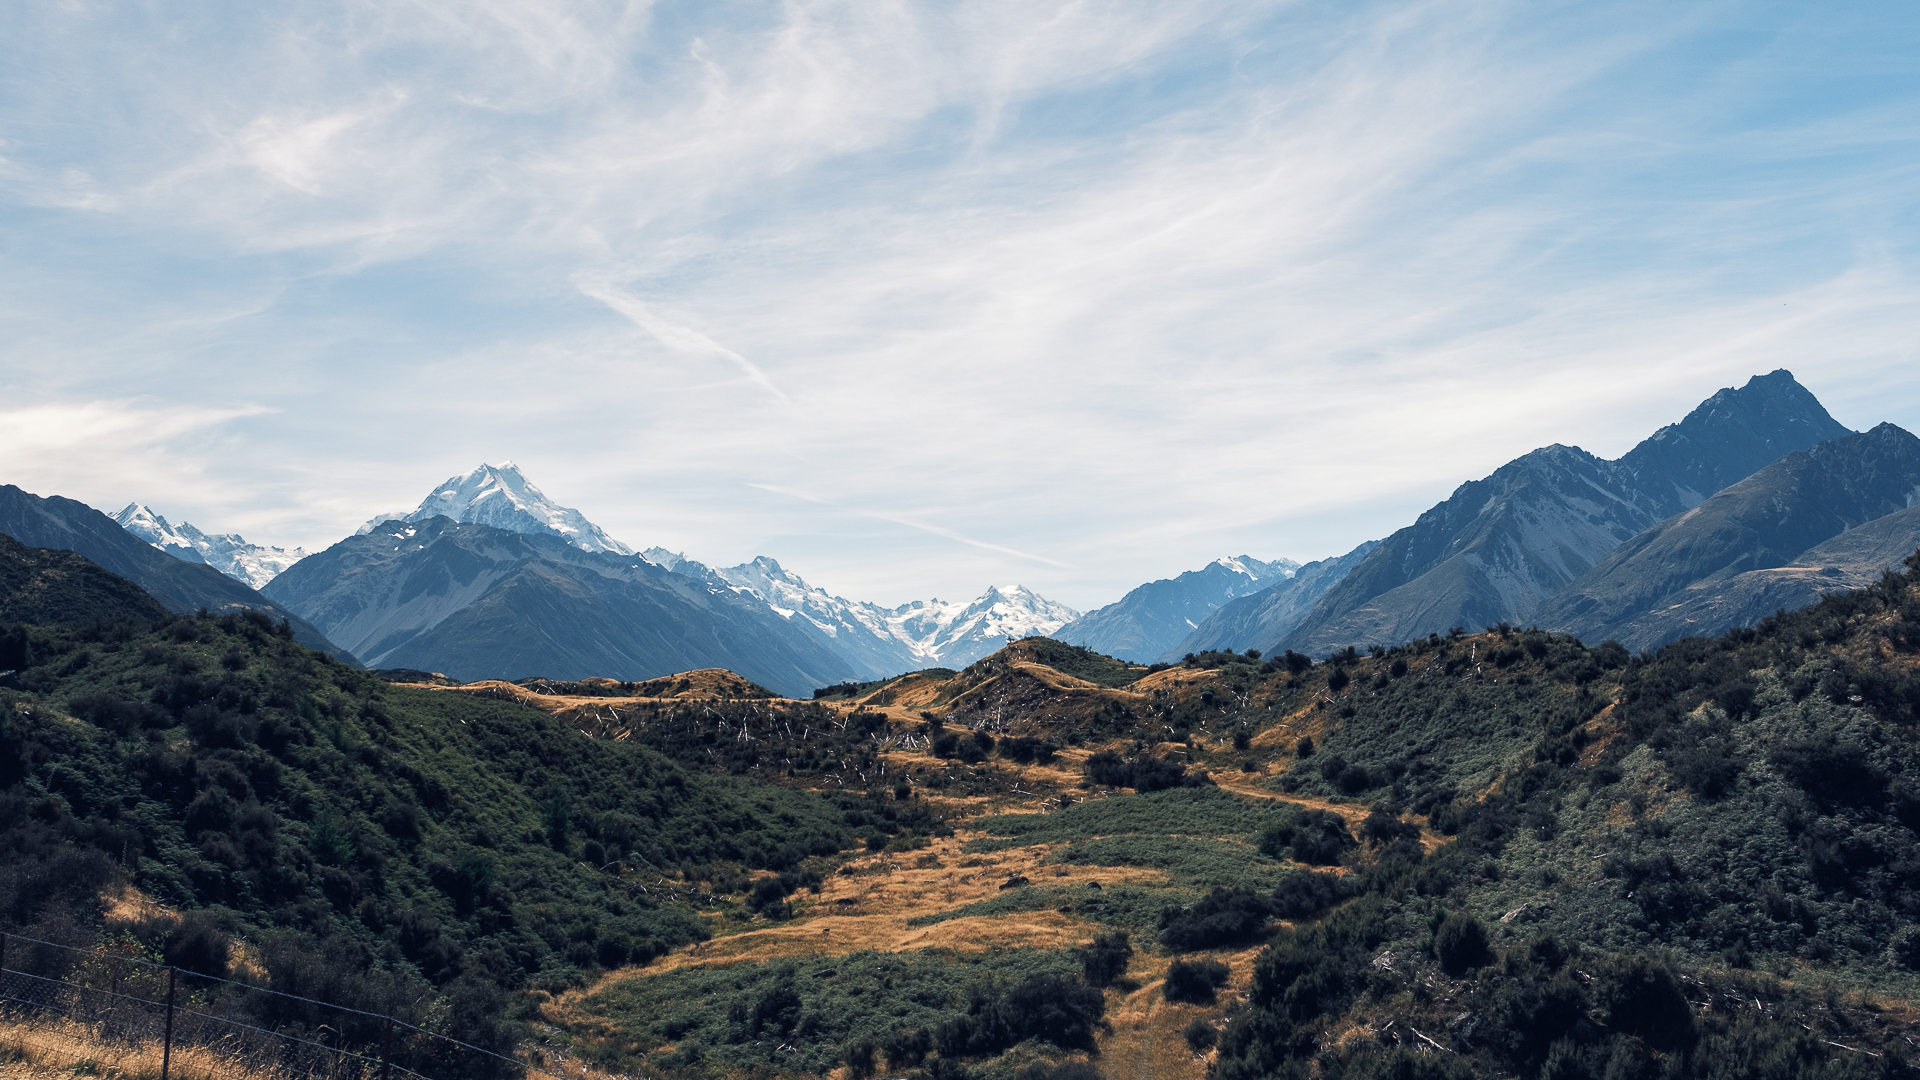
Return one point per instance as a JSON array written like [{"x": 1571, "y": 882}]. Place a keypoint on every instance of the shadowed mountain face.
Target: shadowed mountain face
[
  {"x": 42, "y": 586},
  {"x": 1498, "y": 548},
  {"x": 1844, "y": 506},
  {"x": 479, "y": 602},
  {"x": 1263, "y": 619},
  {"x": 1856, "y": 559},
  {"x": 1155, "y": 617},
  {"x": 66, "y": 525}
]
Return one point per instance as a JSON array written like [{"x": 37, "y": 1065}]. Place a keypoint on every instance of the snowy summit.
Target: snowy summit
[
  {"x": 228, "y": 553},
  {"x": 501, "y": 497}
]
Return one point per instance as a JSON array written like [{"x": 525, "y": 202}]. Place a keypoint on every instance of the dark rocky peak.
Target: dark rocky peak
[{"x": 1730, "y": 436}]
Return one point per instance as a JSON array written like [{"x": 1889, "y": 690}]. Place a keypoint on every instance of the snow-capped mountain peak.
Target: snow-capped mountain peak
[
  {"x": 1279, "y": 569},
  {"x": 501, "y": 496},
  {"x": 884, "y": 641},
  {"x": 957, "y": 634},
  {"x": 875, "y": 640},
  {"x": 229, "y": 553},
  {"x": 660, "y": 556}
]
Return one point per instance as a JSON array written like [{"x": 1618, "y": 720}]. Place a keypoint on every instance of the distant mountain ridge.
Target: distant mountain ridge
[
  {"x": 1153, "y": 618},
  {"x": 1499, "y": 547},
  {"x": 1262, "y": 620},
  {"x": 231, "y": 554},
  {"x": 477, "y": 601},
  {"x": 881, "y": 641},
  {"x": 68, "y": 525}
]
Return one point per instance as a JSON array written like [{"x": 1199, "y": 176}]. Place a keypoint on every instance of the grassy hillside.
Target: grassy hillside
[
  {"x": 1495, "y": 854},
  {"x": 1498, "y": 854},
  {"x": 362, "y": 836}
]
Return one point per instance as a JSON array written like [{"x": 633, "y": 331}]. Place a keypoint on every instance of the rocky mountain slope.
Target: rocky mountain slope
[
  {"x": 253, "y": 564},
  {"x": 1497, "y": 548},
  {"x": 859, "y": 633},
  {"x": 64, "y": 524},
  {"x": 1263, "y": 619},
  {"x": 476, "y": 601},
  {"x": 1153, "y": 618},
  {"x": 1856, "y": 559},
  {"x": 1760, "y": 540}
]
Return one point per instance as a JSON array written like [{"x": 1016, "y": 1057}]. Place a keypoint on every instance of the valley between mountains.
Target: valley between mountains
[{"x": 1604, "y": 769}]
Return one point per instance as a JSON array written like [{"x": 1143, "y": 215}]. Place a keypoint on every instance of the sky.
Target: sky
[{"x": 921, "y": 297}]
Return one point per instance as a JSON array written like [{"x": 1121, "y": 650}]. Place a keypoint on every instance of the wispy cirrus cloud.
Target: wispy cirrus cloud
[{"x": 1129, "y": 284}]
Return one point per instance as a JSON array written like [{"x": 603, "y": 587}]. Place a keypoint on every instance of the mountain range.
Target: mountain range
[
  {"x": 229, "y": 553},
  {"x": 1261, "y": 620},
  {"x": 476, "y": 601},
  {"x": 525, "y": 586},
  {"x": 1677, "y": 577},
  {"x": 1757, "y": 500},
  {"x": 63, "y": 524},
  {"x": 880, "y": 642},
  {"x": 1499, "y": 547}
]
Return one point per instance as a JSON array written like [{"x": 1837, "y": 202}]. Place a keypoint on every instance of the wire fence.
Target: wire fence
[{"x": 111, "y": 1007}]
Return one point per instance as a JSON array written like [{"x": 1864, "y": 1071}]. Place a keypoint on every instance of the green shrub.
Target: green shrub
[
  {"x": 1460, "y": 944},
  {"x": 1195, "y": 981},
  {"x": 1223, "y": 917},
  {"x": 1105, "y": 960},
  {"x": 1315, "y": 837}
]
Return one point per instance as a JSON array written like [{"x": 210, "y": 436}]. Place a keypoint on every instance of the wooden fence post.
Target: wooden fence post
[
  {"x": 386, "y": 1052},
  {"x": 166, "y": 1046}
]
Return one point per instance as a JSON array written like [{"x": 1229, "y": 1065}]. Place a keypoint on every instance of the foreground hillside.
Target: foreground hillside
[
  {"x": 200, "y": 782},
  {"x": 1501, "y": 854}
]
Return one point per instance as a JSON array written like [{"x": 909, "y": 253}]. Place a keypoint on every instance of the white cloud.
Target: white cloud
[
  {"x": 1123, "y": 284},
  {"x": 113, "y": 451}
]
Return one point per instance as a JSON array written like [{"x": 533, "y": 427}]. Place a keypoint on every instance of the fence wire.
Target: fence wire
[{"x": 89, "y": 1003}]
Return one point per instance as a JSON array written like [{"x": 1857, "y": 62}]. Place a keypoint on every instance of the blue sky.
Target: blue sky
[{"x": 919, "y": 297}]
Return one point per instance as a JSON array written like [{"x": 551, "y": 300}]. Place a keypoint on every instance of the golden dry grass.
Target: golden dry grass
[
  {"x": 1148, "y": 1041},
  {"x": 702, "y": 684},
  {"x": 874, "y": 906},
  {"x": 125, "y": 905},
  {"x": 873, "y": 909},
  {"x": 64, "y": 1048}
]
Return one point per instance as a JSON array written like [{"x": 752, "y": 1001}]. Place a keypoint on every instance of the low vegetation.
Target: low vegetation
[{"x": 1497, "y": 854}]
